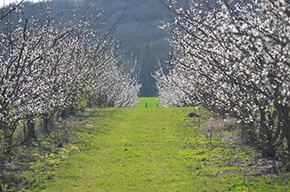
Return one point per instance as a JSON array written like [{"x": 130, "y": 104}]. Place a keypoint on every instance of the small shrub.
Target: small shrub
[{"x": 221, "y": 129}]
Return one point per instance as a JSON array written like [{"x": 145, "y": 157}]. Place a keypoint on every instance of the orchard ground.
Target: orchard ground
[{"x": 150, "y": 149}]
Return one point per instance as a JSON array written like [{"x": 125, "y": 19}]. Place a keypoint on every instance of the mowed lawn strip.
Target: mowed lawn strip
[{"x": 133, "y": 150}]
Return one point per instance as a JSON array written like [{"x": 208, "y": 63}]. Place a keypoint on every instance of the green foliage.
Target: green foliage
[{"x": 83, "y": 103}]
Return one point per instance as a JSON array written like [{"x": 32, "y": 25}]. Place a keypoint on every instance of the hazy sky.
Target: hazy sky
[{"x": 7, "y": 2}]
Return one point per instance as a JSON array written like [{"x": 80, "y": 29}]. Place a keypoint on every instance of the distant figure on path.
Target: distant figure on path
[{"x": 146, "y": 104}]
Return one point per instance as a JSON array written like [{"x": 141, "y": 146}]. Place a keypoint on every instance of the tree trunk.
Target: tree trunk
[
  {"x": 47, "y": 123},
  {"x": 29, "y": 133},
  {"x": 8, "y": 139},
  {"x": 267, "y": 143},
  {"x": 269, "y": 150},
  {"x": 286, "y": 129}
]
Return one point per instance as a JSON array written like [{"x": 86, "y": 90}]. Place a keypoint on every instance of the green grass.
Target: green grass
[
  {"x": 151, "y": 150},
  {"x": 152, "y": 102},
  {"x": 130, "y": 150}
]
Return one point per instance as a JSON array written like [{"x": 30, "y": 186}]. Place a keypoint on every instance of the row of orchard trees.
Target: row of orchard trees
[
  {"x": 48, "y": 67},
  {"x": 232, "y": 56}
]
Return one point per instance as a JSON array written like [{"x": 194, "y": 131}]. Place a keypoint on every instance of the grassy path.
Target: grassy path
[
  {"x": 133, "y": 150},
  {"x": 148, "y": 150}
]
